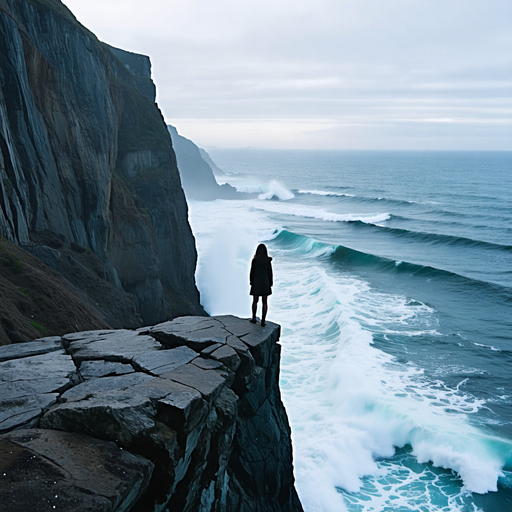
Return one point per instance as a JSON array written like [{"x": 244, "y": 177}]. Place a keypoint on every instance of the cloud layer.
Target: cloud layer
[{"x": 355, "y": 74}]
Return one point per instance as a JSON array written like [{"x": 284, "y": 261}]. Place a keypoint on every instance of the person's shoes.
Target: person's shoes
[
  {"x": 263, "y": 323},
  {"x": 253, "y": 320}
]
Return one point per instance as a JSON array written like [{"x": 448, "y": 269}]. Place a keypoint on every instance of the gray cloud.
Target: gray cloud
[{"x": 333, "y": 73}]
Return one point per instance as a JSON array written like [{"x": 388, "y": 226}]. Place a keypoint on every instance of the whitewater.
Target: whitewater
[{"x": 395, "y": 300}]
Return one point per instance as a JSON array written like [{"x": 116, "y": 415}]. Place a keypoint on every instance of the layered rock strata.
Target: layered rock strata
[
  {"x": 87, "y": 165},
  {"x": 186, "y": 415}
]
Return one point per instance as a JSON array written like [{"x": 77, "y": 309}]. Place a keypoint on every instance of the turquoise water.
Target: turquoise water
[{"x": 393, "y": 285}]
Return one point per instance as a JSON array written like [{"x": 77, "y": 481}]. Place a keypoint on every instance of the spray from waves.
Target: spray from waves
[
  {"x": 225, "y": 251},
  {"x": 298, "y": 211},
  {"x": 351, "y": 404},
  {"x": 276, "y": 190},
  {"x": 271, "y": 190}
]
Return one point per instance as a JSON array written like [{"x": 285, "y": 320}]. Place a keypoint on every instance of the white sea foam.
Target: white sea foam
[
  {"x": 356, "y": 403},
  {"x": 495, "y": 349},
  {"x": 300, "y": 211},
  {"x": 275, "y": 189},
  {"x": 324, "y": 193},
  {"x": 349, "y": 403},
  {"x": 224, "y": 252}
]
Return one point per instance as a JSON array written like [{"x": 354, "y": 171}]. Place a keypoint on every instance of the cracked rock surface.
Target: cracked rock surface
[{"x": 185, "y": 415}]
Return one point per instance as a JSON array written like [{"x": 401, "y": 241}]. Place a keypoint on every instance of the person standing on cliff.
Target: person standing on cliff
[{"x": 261, "y": 280}]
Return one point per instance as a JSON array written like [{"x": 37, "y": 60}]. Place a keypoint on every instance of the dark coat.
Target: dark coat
[{"x": 261, "y": 277}]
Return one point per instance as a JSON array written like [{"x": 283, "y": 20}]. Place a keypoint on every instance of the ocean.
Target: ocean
[{"x": 393, "y": 287}]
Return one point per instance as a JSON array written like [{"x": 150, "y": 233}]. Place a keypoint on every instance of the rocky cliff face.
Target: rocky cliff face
[
  {"x": 185, "y": 415},
  {"x": 196, "y": 172},
  {"x": 86, "y": 161}
]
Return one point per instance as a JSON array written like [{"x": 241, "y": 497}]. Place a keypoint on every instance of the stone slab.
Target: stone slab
[
  {"x": 32, "y": 348},
  {"x": 163, "y": 361},
  {"x": 118, "y": 416},
  {"x": 227, "y": 356},
  {"x": 118, "y": 348},
  {"x": 92, "y": 369},
  {"x": 247, "y": 360},
  {"x": 159, "y": 388},
  {"x": 207, "y": 382},
  {"x": 10, "y": 390},
  {"x": 207, "y": 364},
  {"x": 179, "y": 406},
  {"x": 57, "y": 364},
  {"x": 104, "y": 384},
  {"x": 207, "y": 351},
  {"x": 49, "y": 470},
  {"x": 188, "y": 323},
  {"x": 23, "y": 411},
  {"x": 195, "y": 332},
  {"x": 91, "y": 335},
  {"x": 261, "y": 341},
  {"x": 237, "y": 326}
]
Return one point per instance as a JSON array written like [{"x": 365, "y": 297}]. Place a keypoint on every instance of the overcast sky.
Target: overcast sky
[{"x": 326, "y": 74}]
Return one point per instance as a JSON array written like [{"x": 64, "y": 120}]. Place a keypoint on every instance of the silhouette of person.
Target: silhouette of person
[{"x": 261, "y": 280}]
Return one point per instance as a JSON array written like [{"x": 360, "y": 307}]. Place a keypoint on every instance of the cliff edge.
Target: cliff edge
[{"x": 185, "y": 415}]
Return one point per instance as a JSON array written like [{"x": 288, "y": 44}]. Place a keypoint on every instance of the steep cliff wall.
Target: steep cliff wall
[
  {"x": 197, "y": 173},
  {"x": 85, "y": 157}
]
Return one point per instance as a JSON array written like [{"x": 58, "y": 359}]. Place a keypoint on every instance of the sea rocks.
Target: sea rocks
[{"x": 208, "y": 427}]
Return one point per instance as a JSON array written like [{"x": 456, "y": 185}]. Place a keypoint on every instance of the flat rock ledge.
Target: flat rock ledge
[{"x": 182, "y": 416}]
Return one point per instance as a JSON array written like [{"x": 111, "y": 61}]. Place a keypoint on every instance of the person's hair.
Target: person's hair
[{"x": 261, "y": 253}]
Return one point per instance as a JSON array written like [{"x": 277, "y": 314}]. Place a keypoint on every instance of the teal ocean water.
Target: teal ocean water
[{"x": 393, "y": 286}]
